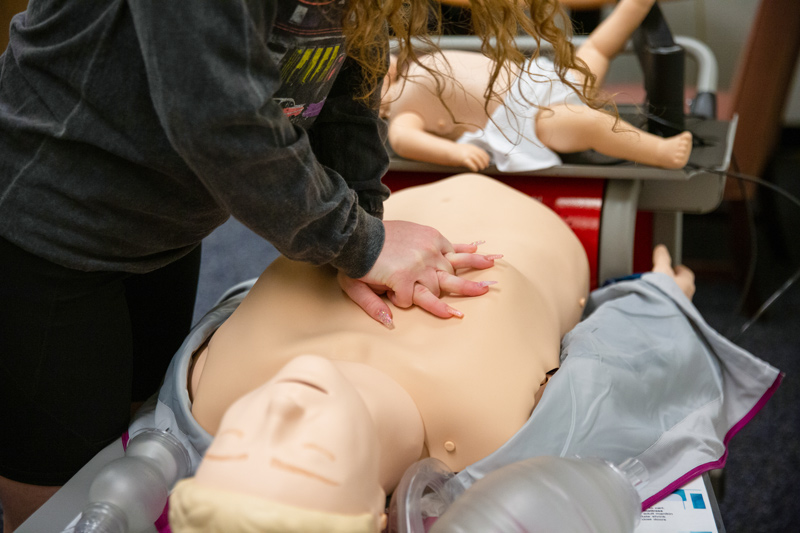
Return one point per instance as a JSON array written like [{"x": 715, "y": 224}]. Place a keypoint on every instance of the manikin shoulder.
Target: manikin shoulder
[{"x": 451, "y": 101}]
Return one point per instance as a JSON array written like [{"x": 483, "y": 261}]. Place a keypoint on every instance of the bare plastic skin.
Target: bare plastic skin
[
  {"x": 424, "y": 124},
  {"x": 452, "y": 389},
  {"x": 318, "y": 411}
]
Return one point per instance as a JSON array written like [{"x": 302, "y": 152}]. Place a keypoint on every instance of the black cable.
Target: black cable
[
  {"x": 768, "y": 302},
  {"x": 753, "y": 238},
  {"x": 751, "y": 268},
  {"x": 697, "y": 141},
  {"x": 793, "y": 278},
  {"x": 745, "y": 177}
]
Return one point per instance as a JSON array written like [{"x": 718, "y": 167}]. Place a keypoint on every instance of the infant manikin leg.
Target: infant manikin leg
[{"x": 573, "y": 128}]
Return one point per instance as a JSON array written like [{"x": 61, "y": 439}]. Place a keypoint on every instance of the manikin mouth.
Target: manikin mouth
[
  {"x": 304, "y": 383},
  {"x": 277, "y": 463}
]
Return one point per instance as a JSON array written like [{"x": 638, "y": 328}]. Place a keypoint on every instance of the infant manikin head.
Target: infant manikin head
[{"x": 305, "y": 440}]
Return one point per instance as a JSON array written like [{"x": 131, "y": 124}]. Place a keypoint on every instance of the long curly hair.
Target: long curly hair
[{"x": 496, "y": 22}]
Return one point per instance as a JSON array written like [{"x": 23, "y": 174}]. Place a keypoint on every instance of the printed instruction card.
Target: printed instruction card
[{"x": 687, "y": 510}]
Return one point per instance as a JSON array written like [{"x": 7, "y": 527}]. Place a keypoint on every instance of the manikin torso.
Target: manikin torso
[
  {"x": 474, "y": 380},
  {"x": 465, "y": 110}
]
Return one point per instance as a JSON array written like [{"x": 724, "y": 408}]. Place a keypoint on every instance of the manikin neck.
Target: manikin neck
[{"x": 401, "y": 433}]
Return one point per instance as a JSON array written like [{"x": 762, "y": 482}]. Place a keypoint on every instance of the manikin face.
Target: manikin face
[{"x": 305, "y": 438}]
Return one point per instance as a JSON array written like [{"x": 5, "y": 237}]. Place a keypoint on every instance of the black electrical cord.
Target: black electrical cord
[
  {"x": 751, "y": 225},
  {"x": 697, "y": 141},
  {"x": 767, "y": 303},
  {"x": 763, "y": 183},
  {"x": 751, "y": 268},
  {"x": 793, "y": 278},
  {"x": 753, "y": 238}
]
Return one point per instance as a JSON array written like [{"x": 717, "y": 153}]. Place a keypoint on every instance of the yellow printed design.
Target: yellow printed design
[{"x": 310, "y": 65}]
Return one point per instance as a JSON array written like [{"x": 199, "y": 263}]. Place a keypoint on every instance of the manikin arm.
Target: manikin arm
[
  {"x": 409, "y": 139},
  {"x": 608, "y": 39},
  {"x": 683, "y": 276}
]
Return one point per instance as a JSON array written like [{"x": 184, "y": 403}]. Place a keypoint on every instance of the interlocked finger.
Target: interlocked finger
[
  {"x": 429, "y": 302},
  {"x": 458, "y": 285},
  {"x": 472, "y": 260}
]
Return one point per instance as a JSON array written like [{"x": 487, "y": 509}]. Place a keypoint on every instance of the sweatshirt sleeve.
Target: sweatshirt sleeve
[
  {"x": 344, "y": 117},
  {"x": 212, "y": 78}
]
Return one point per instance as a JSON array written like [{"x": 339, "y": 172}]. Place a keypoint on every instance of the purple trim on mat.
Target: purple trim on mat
[
  {"x": 719, "y": 463},
  {"x": 759, "y": 404},
  {"x": 162, "y": 523}
]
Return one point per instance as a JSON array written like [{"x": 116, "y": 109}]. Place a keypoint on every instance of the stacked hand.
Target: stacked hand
[{"x": 415, "y": 266}]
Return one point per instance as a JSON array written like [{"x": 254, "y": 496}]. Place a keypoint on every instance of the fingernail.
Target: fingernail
[
  {"x": 486, "y": 283},
  {"x": 455, "y": 312},
  {"x": 492, "y": 257},
  {"x": 477, "y": 243},
  {"x": 386, "y": 319}
]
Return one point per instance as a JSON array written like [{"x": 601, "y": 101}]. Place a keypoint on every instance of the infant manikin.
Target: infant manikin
[{"x": 532, "y": 115}]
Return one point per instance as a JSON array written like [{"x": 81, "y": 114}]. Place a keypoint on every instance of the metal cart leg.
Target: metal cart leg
[
  {"x": 617, "y": 227},
  {"x": 668, "y": 230}
]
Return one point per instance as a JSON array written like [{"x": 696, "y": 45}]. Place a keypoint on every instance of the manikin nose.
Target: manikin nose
[
  {"x": 283, "y": 415},
  {"x": 286, "y": 408}
]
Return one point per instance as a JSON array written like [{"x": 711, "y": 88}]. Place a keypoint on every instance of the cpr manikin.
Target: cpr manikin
[
  {"x": 451, "y": 389},
  {"x": 533, "y": 116},
  {"x": 334, "y": 407}
]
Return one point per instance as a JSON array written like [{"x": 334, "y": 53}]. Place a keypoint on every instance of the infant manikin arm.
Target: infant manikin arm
[{"x": 409, "y": 139}]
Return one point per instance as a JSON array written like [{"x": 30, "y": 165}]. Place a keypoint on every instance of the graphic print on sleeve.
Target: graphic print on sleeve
[{"x": 308, "y": 44}]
